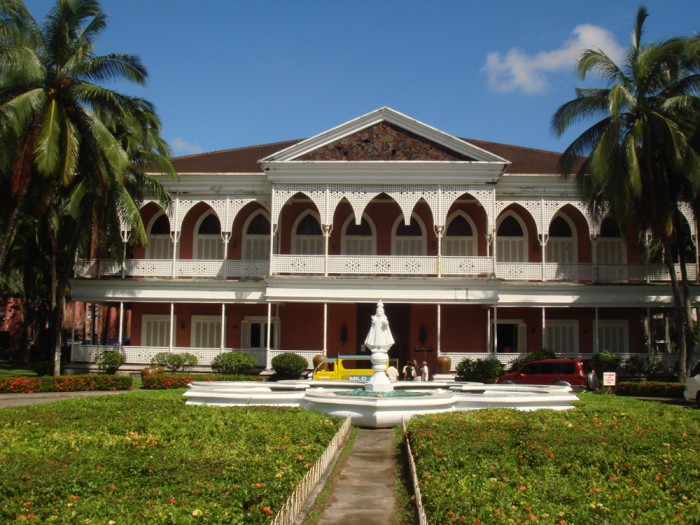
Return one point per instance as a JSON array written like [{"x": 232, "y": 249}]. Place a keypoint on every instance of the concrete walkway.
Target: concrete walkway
[{"x": 364, "y": 491}]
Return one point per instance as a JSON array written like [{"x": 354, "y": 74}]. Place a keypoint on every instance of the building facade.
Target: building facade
[{"x": 476, "y": 249}]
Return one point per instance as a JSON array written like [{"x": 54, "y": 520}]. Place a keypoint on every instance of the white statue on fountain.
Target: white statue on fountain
[{"x": 379, "y": 340}]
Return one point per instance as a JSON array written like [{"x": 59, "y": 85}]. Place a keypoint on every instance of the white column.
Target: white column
[
  {"x": 325, "y": 328},
  {"x": 439, "y": 328},
  {"x": 226, "y": 237},
  {"x": 495, "y": 329},
  {"x": 648, "y": 330},
  {"x": 223, "y": 327},
  {"x": 121, "y": 325},
  {"x": 327, "y": 229},
  {"x": 268, "y": 359},
  {"x": 175, "y": 234},
  {"x": 439, "y": 232},
  {"x": 544, "y": 329},
  {"x": 172, "y": 325},
  {"x": 488, "y": 330}
]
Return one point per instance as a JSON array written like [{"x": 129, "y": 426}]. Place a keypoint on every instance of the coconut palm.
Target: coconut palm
[
  {"x": 639, "y": 159},
  {"x": 72, "y": 150}
]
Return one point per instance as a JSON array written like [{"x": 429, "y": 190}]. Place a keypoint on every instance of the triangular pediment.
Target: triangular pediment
[
  {"x": 384, "y": 142},
  {"x": 380, "y": 136}
]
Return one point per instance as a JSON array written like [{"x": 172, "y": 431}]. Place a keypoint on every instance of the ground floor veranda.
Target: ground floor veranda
[{"x": 292, "y": 315}]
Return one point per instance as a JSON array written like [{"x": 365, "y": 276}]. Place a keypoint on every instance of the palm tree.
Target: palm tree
[
  {"x": 70, "y": 147},
  {"x": 639, "y": 160}
]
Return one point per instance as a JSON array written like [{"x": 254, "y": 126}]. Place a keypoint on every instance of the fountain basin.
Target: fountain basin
[{"x": 381, "y": 411}]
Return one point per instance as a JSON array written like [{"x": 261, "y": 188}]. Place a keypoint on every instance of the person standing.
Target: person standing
[
  {"x": 425, "y": 372},
  {"x": 392, "y": 373},
  {"x": 416, "y": 371}
]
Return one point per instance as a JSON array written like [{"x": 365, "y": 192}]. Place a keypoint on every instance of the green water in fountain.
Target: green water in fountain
[{"x": 361, "y": 392}]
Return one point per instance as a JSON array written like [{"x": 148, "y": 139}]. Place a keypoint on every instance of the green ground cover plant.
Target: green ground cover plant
[
  {"x": 611, "y": 460},
  {"x": 145, "y": 457},
  {"x": 650, "y": 389},
  {"x": 81, "y": 383}
]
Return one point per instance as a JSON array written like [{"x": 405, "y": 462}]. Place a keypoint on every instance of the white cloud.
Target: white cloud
[
  {"x": 181, "y": 147},
  {"x": 516, "y": 70}
]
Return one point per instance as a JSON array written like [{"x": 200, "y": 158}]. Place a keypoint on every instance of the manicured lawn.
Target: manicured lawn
[
  {"x": 145, "y": 457},
  {"x": 8, "y": 369},
  {"x": 611, "y": 460}
]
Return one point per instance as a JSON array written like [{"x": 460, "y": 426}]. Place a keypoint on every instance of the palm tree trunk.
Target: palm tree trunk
[{"x": 678, "y": 309}]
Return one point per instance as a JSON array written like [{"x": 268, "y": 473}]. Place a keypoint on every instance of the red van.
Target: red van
[{"x": 578, "y": 373}]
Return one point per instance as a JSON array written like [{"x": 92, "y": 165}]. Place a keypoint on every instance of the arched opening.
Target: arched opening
[
  {"x": 358, "y": 239},
  {"x": 511, "y": 239},
  {"x": 307, "y": 238},
  {"x": 611, "y": 247},
  {"x": 159, "y": 245},
  {"x": 562, "y": 244},
  {"x": 208, "y": 243},
  {"x": 256, "y": 238},
  {"x": 460, "y": 239},
  {"x": 409, "y": 239}
]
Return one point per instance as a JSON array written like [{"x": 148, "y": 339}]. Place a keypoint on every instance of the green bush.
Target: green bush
[
  {"x": 481, "y": 370},
  {"x": 532, "y": 356},
  {"x": 289, "y": 365},
  {"x": 109, "y": 361},
  {"x": 650, "y": 389},
  {"x": 167, "y": 381},
  {"x": 175, "y": 362},
  {"x": 605, "y": 361},
  {"x": 233, "y": 363},
  {"x": 82, "y": 383}
]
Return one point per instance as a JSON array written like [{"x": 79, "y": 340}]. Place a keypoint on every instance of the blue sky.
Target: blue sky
[{"x": 229, "y": 73}]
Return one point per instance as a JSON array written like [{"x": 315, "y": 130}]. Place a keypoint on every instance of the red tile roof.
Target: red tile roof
[{"x": 245, "y": 160}]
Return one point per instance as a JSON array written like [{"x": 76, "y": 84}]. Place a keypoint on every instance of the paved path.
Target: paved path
[
  {"x": 18, "y": 400},
  {"x": 364, "y": 492}
]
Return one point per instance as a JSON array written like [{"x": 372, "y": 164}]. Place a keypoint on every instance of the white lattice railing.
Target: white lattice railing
[
  {"x": 291, "y": 511},
  {"x": 381, "y": 265}
]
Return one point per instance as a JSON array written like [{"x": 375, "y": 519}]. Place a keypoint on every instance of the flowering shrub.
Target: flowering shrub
[
  {"x": 81, "y": 383},
  {"x": 166, "y": 381},
  {"x": 650, "y": 389},
  {"x": 175, "y": 362},
  {"x": 609, "y": 460},
  {"x": 148, "y": 458}
]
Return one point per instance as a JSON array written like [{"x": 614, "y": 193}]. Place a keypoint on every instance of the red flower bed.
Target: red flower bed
[
  {"x": 82, "y": 383},
  {"x": 166, "y": 381}
]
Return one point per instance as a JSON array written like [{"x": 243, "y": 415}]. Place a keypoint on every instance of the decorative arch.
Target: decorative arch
[
  {"x": 159, "y": 244},
  {"x": 562, "y": 243}
]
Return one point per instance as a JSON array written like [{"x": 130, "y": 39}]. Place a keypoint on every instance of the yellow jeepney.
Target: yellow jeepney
[{"x": 345, "y": 368}]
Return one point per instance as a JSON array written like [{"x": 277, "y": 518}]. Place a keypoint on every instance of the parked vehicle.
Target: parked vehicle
[
  {"x": 577, "y": 373},
  {"x": 345, "y": 368},
  {"x": 692, "y": 385}
]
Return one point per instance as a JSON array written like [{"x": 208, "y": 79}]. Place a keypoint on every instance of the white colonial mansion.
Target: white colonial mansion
[{"x": 475, "y": 248}]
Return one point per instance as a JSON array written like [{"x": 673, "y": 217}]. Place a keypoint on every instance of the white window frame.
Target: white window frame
[
  {"x": 507, "y": 245},
  {"x": 613, "y": 336},
  {"x": 563, "y": 335},
  {"x": 208, "y": 246},
  {"x": 359, "y": 244},
  {"x": 460, "y": 245},
  {"x": 409, "y": 245},
  {"x": 211, "y": 336},
  {"x": 151, "y": 334},
  {"x": 307, "y": 244},
  {"x": 246, "y": 331},
  {"x": 158, "y": 245},
  {"x": 563, "y": 249},
  {"x": 255, "y": 247}
]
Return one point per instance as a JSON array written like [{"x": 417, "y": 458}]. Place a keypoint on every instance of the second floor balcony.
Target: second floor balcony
[{"x": 378, "y": 265}]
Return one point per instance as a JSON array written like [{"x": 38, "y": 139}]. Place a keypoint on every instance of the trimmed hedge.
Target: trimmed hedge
[
  {"x": 165, "y": 381},
  {"x": 81, "y": 383},
  {"x": 650, "y": 389}
]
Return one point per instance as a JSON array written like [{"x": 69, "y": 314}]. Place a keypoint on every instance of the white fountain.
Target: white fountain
[{"x": 379, "y": 403}]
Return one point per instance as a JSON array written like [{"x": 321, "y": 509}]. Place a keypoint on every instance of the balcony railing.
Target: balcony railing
[{"x": 472, "y": 267}]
